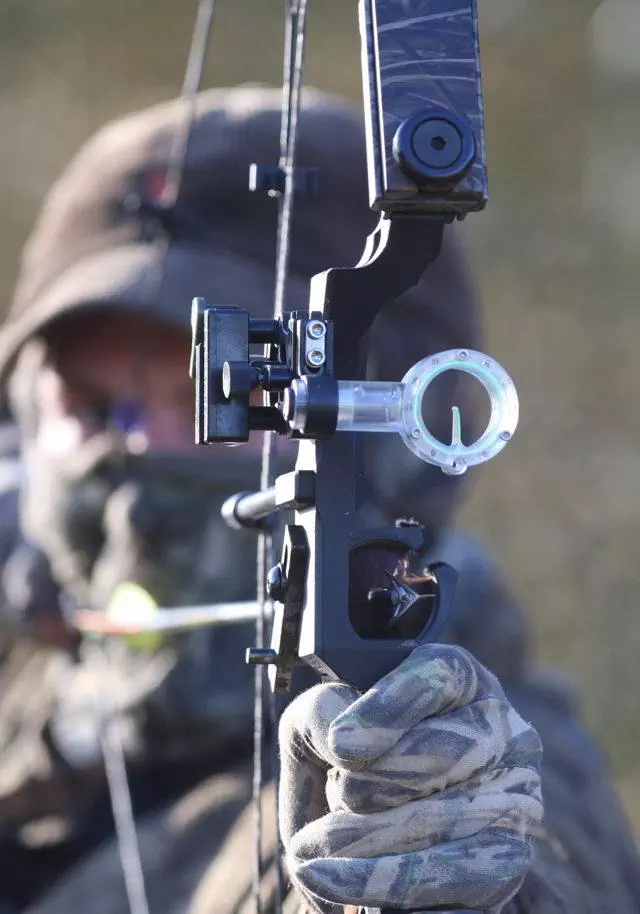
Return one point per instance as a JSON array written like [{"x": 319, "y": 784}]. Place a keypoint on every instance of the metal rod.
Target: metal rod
[{"x": 247, "y": 509}]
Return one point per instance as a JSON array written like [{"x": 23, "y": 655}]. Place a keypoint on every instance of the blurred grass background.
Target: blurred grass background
[{"x": 556, "y": 256}]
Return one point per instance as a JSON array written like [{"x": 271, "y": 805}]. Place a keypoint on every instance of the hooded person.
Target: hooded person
[
  {"x": 97, "y": 507},
  {"x": 107, "y": 490},
  {"x": 106, "y": 494}
]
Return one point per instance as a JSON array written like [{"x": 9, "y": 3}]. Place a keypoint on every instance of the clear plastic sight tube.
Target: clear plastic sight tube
[
  {"x": 372, "y": 406},
  {"x": 383, "y": 406},
  {"x": 363, "y": 406}
]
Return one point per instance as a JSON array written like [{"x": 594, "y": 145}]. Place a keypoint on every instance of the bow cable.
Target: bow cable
[
  {"x": 111, "y": 740},
  {"x": 294, "y": 58}
]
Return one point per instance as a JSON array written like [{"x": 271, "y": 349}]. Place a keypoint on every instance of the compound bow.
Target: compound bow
[{"x": 344, "y": 601}]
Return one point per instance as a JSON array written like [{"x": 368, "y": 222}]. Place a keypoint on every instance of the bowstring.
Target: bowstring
[
  {"x": 111, "y": 743},
  {"x": 294, "y": 59},
  {"x": 115, "y": 766},
  {"x": 188, "y": 98}
]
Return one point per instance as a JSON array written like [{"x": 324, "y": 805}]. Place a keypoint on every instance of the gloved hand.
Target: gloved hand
[{"x": 423, "y": 792}]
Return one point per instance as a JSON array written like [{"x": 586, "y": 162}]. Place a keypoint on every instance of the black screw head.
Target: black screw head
[
  {"x": 276, "y": 584},
  {"x": 437, "y": 143},
  {"x": 434, "y": 148}
]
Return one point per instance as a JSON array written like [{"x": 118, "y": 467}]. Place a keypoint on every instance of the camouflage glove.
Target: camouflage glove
[{"x": 423, "y": 792}]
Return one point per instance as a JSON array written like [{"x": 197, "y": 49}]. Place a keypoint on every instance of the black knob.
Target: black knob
[
  {"x": 238, "y": 379},
  {"x": 434, "y": 148}
]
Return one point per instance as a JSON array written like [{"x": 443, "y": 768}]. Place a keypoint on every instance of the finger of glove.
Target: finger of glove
[
  {"x": 436, "y": 754},
  {"x": 483, "y": 871},
  {"x": 305, "y": 755},
  {"x": 510, "y": 797},
  {"x": 433, "y": 680}
]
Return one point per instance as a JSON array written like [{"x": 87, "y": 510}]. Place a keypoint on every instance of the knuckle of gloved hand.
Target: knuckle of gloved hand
[
  {"x": 451, "y": 675},
  {"x": 449, "y": 664},
  {"x": 475, "y": 681},
  {"x": 502, "y": 870},
  {"x": 524, "y": 787},
  {"x": 515, "y": 786},
  {"x": 527, "y": 749},
  {"x": 330, "y": 884},
  {"x": 305, "y": 724},
  {"x": 287, "y": 731},
  {"x": 367, "y": 793},
  {"x": 353, "y": 744},
  {"x": 502, "y": 736},
  {"x": 522, "y": 746},
  {"x": 307, "y": 845},
  {"x": 494, "y": 857}
]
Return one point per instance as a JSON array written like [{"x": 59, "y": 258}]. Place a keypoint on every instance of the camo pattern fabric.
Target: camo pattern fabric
[{"x": 423, "y": 792}]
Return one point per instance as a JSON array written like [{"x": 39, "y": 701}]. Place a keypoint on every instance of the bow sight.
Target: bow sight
[{"x": 345, "y": 601}]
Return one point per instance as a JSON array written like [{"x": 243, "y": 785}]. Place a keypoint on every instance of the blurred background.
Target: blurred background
[{"x": 557, "y": 256}]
